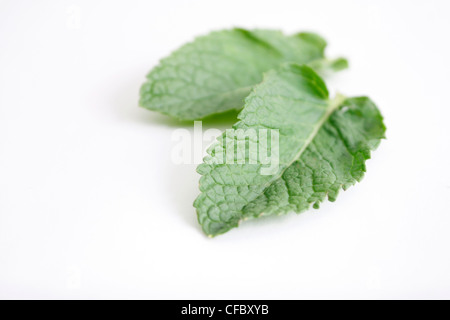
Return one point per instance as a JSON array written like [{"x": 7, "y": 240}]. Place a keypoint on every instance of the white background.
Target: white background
[{"x": 91, "y": 205}]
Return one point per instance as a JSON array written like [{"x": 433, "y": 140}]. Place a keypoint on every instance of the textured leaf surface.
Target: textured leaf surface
[
  {"x": 214, "y": 73},
  {"x": 323, "y": 147}
]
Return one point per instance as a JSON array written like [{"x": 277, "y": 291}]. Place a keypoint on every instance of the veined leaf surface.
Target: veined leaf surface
[{"x": 323, "y": 146}]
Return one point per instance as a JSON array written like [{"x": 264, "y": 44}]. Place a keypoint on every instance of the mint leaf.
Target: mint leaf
[
  {"x": 214, "y": 73},
  {"x": 323, "y": 146}
]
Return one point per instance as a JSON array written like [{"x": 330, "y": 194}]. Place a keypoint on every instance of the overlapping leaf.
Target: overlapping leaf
[
  {"x": 323, "y": 146},
  {"x": 214, "y": 73}
]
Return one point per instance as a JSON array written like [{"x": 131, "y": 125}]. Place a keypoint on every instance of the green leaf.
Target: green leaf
[
  {"x": 323, "y": 146},
  {"x": 214, "y": 73}
]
